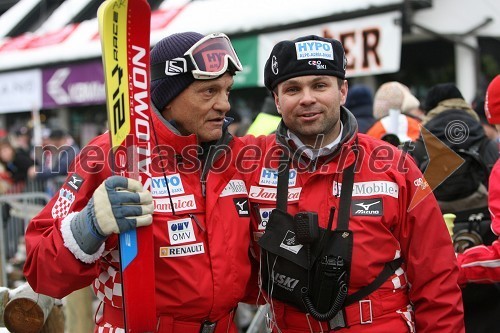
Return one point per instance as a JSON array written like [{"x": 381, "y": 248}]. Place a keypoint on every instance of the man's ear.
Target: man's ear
[
  {"x": 277, "y": 102},
  {"x": 166, "y": 111}
]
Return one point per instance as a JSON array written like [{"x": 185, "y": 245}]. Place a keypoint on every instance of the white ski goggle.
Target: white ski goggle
[{"x": 207, "y": 59}]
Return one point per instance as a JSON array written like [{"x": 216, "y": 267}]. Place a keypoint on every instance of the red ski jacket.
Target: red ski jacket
[
  {"x": 481, "y": 264},
  {"x": 390, "y": 217},
  {"x": 202, "y": 262}
]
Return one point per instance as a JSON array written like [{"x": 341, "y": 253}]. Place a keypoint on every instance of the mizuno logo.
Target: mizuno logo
[
  {"x": 76, "y": 180},
  {"x": 366, "y": 206},
  {"x": 241, "y": 204}
]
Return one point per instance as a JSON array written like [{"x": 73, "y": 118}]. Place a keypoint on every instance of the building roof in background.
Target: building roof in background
[
  {"x": 57, "y": 40},
  {"x": 63, "y": 37}
]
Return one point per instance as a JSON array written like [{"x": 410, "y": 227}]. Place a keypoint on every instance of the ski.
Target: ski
[{"x": 124, "y": 29}]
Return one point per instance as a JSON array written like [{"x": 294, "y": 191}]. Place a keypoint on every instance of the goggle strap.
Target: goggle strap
[{"x": 172, "y": 67}]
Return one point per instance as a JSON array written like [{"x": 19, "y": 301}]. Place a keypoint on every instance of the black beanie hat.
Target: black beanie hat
[
  {"x": 166, "y": 89},
  {"x": 439, "y": 93},
  {"x": 309, "y": 55}
]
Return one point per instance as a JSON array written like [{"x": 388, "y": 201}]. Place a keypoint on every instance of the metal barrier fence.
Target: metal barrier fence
[{"x": 17, "y": 207}]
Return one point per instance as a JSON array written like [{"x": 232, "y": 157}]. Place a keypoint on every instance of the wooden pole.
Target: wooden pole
[
  {"x": 55, "y": 321},
  {"x": 28, "y": 312},
  {"x": 4, "y": 299},
  {"x": 79, "y": 311}
]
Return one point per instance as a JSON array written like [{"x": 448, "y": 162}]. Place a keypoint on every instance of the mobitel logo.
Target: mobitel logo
[{"x": 372, "y": 188}]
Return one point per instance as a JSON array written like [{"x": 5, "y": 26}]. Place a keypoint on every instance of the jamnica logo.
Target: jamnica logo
[
  {"x": 185, "y": 202},
  {"x": 269, "y": 194}
]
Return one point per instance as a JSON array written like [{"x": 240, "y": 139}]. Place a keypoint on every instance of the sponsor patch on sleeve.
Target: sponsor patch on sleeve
[{"x": 75, "y": 181}]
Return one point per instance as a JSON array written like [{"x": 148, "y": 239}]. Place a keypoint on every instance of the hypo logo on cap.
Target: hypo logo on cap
[{"x": 314, "y": 49}]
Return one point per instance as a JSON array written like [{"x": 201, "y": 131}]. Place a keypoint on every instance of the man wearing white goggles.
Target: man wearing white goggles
[
  {"x": 177, "y": 75},
  {"x": 200, "y": 215},
  {"x": 209, "y": 58}
]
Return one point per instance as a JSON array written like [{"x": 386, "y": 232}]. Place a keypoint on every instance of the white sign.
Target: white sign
[
  {"x": 20, "y": 91},
  {"x": 372, "y": 43}
]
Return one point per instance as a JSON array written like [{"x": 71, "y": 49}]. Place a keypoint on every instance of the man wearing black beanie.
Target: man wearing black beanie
[
  {"x": 200, "y": 215},
  {"x": 445, "y": 96},
  {"x": 350, "y": 240}
]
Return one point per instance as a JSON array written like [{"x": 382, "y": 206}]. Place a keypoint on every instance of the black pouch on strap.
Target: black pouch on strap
[
  {"x": 285, "y": 262},
  {"x": 307, "y": 276}
]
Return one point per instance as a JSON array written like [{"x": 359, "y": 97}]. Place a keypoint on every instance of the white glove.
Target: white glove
[{"x": 118, "y": 205}]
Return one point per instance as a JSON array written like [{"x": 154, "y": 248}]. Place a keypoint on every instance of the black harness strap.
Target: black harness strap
[
  {"x": 346, "y": 195},
  {"x": 282, "y": 188},
  {"x": 389, "y": 269}
]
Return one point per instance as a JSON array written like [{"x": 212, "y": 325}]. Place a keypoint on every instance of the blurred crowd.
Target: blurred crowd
[{"x": 27, "y": 166}]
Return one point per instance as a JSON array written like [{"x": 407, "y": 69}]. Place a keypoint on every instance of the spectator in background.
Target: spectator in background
[
  {"x": 22, "y": 140},
  {"x": 397, "y": 112},
  {"x": 16, "y": 162},
  {"x": 466, "y": 187},
  {"x": 235, "y": 126},
  {"x": 58, "y": 153},
  {"x": 360, "y": 102},
  {"x": 445, "y": 96},
  {"x": 465, "y": 191},
  {"x": 480, "y": 265},
  {"x": 489, "y": 129},
  {"x": 267, "y": 120}
]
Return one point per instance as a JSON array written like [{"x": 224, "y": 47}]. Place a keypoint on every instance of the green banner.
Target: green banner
[{"x": 247, "y": 49}]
